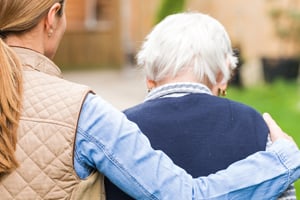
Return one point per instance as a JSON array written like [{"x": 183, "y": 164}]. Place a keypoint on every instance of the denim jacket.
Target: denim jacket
[{"x": 108, "y": 142}]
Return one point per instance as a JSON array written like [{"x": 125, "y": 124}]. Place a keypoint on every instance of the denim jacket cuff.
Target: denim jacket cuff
[{"x": 289, "y": 155}]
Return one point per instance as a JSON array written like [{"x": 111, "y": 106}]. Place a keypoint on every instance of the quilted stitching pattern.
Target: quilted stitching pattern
[
  {"x": 46, "y": 136},
  {"x": 52, "y": 100}
]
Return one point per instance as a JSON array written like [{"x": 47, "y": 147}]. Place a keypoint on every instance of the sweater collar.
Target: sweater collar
[
  {"x": 177, "y": 89},
  {"x": 37, "y": 61}
]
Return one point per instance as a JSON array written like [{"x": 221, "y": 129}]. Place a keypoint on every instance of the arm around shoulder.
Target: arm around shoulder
[{"x": 264, "y": 175}]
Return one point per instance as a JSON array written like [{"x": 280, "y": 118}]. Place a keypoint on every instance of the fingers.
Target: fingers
[{"x": 275, "y": 131}]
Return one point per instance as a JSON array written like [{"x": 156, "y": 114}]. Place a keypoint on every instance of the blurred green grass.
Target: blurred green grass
[{"x": 281, "y": 99}]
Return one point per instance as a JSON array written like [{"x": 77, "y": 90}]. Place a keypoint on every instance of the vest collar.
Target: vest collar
[{"x": 37, "y": 61}]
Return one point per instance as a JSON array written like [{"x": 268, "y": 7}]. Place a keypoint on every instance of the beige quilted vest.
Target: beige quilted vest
[{"x": 47, "y": 129}]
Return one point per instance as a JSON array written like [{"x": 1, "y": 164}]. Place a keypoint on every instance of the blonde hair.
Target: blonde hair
[{"x": 17, "y": 16}]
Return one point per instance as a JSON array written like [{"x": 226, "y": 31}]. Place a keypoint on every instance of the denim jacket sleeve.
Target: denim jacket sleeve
[
  {"x": 108, "y": 142},
  {"x": 290, "y": 193}
]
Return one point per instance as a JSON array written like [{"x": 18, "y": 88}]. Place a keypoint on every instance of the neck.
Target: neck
[
  {"x": 181, "y": 77},
  {"x": 31, "y": 39},
  {"x": 186, "y": 76},
  {"x": 25, "y": 43}
]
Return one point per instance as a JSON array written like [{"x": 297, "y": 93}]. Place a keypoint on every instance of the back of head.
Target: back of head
[
  {"x": 187, "y": 41},
  {"x": 16, "y": 17},
  {"x": 22, "y": 15}
]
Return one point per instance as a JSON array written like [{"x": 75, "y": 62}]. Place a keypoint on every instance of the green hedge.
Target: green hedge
[{"x": 281, "y": 99}]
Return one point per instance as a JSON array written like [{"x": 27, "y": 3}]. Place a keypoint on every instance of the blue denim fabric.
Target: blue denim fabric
[{"x": 108, "y": 142}]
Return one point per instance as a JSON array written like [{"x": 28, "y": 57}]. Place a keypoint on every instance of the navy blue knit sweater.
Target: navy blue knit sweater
[{"x": 201, "y": 133}]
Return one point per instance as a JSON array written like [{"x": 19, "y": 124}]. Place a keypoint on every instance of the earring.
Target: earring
[
  {"x": 222, "y": 92},
  {"x": 50, "y": 33}
]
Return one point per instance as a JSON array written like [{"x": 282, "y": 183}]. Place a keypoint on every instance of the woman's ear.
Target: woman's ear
[
  {"x": 51, "y": 18},
  {"x": 150, "y": 84}
]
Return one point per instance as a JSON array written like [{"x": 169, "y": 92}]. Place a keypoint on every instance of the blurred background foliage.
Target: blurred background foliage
[
  {"x": 168, "y": 7},
  {"x": 281, "y": 99}
]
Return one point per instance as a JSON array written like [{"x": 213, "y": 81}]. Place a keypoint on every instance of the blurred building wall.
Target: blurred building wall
[
  {"x": 116, "y": 37},
  {"x": 92, "y": 38},
  {"x": 247, "y": 22}
]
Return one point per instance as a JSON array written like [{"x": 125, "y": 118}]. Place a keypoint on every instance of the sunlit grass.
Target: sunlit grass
[{"x": 281, "y": 99}]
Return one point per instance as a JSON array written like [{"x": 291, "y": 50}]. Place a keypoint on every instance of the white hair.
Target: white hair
[{"x": 185, "y": 41}]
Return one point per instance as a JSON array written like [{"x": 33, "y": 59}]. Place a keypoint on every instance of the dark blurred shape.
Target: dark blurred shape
[
  {"x": 236, "y": 79},
  {"x": 284, "y": 68}
]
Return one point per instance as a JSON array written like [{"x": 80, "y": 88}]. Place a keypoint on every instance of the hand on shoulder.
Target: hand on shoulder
[{"x": 275, "y": 131}]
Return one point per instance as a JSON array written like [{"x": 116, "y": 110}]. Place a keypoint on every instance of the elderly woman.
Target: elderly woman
[{"x": 188, "y": 61}]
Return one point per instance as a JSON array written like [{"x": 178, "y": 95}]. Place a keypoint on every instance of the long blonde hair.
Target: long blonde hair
[{"x": 17, "y": 17}]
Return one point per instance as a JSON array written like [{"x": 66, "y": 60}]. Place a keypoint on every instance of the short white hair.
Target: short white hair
[{"x": 184, "y": 41}]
